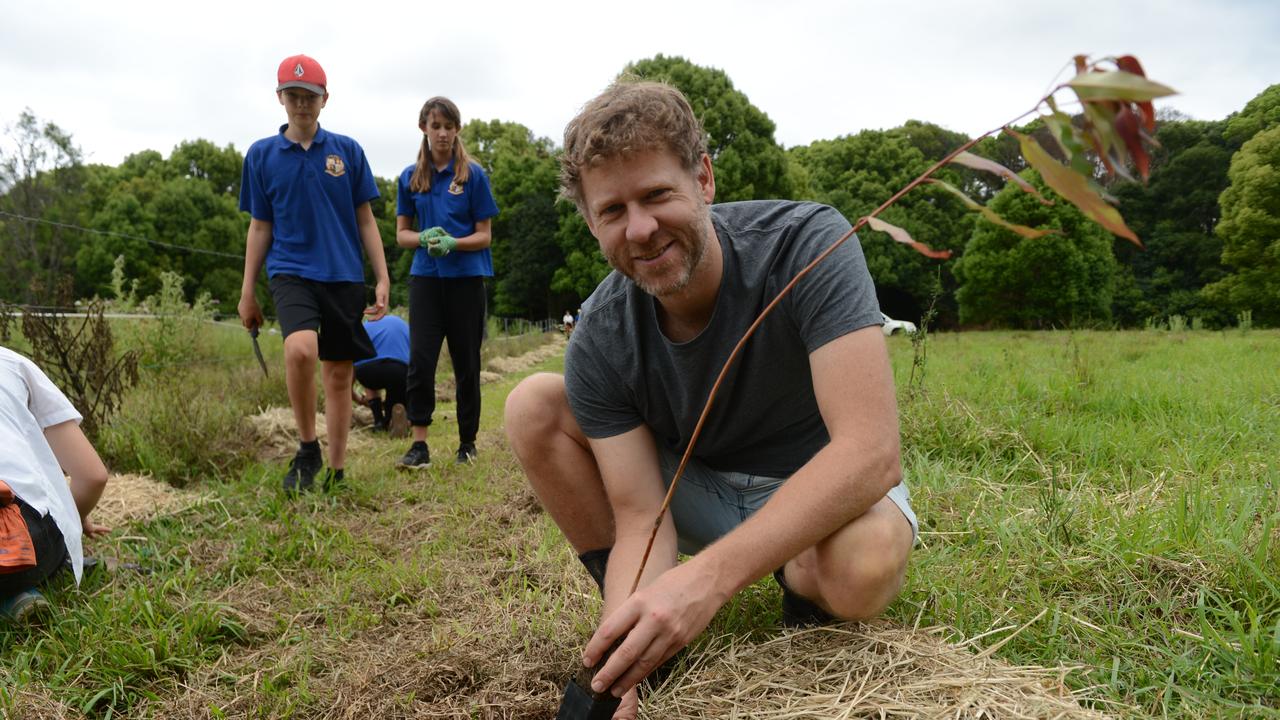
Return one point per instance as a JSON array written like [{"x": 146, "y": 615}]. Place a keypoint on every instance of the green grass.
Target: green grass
[{"x": 1104, "y": 500}]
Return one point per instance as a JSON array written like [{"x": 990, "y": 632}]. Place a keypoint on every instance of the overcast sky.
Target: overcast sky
[{"x": 128, "y": 76}]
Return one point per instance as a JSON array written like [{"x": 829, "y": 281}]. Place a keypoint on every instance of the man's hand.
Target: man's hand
[
  {"x": 437, "y": 242},
  {"x": 657, "y": 621},
  {"x": 250, "y": 313}
]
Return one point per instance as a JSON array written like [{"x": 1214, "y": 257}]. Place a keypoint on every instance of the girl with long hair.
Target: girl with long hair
[{"x": 444, "y": 209}]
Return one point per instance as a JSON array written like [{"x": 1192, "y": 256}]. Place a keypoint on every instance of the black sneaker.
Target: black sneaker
[
  {"x": 333, "y": 481},
  {"x": 466, "y": 453},
  {"x": 301, "y": 475},
  {"x": 418, "y": 457},
  {"x": 798, "y": 611}
]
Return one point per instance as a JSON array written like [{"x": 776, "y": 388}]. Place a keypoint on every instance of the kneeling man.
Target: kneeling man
[{"x": 796, "y": 471}]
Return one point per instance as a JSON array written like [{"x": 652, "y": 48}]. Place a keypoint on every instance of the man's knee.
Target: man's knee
[
  {"x": 534, "y": 409},
  {"x": 859, "y": 575}
]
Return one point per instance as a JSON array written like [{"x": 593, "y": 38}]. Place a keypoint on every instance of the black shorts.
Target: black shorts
[
  {"x": 51, "y": 552},
  {"x": 332, "y": 309}
]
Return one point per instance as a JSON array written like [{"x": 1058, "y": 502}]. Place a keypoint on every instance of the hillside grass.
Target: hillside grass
[{"x": 1093, "y": 499}]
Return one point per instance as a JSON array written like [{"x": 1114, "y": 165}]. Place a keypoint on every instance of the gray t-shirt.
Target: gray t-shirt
[{"x": 622, "y": 372}]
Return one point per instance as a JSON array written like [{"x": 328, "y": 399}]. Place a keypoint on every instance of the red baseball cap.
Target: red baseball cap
[{"x": 301, "y": 71}]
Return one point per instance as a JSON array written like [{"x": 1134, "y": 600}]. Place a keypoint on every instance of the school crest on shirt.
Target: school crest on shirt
[
  {"x": 455, "y": 188},
  {"x": 334, "y": 166}
]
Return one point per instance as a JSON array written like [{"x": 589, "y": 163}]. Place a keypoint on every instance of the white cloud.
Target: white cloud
[{"x": 123, "y": 77}]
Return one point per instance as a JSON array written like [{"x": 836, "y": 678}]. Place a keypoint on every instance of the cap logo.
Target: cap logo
[{"x": 297, "y": 70}]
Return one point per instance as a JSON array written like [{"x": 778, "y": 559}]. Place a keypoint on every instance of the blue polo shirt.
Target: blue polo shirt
[
  {"x": 455, "y": 208},
  {"x": 390, "y": 337},
  {"x": 310, "y": 198}
]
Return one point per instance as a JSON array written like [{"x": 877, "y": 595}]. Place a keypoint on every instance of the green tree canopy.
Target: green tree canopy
[
  {"x": 1250, "y": 230},
  {"x": 1174, "y": 214},
  {"x": 856, "y": 173},
  {"x": 41, "y": 178},
  {"x": 749, "y": 163},
  {"x": 524, "y": 176},
  {"x": 1063, "y": 280},
  {"x": 1260, "y": 113}
]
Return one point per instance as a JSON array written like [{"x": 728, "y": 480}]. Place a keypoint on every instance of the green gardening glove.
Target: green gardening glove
[{"x": 437, "y": 242}]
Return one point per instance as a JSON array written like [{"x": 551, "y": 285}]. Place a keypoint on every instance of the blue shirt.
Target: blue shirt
[
  {"x": 455, "y": 208},
  {"x": 310, "y": 198},
  {"x": 390, "y": 337}
]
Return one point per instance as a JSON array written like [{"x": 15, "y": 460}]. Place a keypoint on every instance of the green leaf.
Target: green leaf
[
  {"x": 988, "y": 213},
  {"x": 1117, "y": 85},
  {"x": 905, "y": 238},
  {"x": 1074, "y": 187},
  {"x": 1068, "y": 138},
  {"x": 976, "y": 162}
]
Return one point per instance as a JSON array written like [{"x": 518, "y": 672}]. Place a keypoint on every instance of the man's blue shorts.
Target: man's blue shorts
[{"x": 709, "y": 503}]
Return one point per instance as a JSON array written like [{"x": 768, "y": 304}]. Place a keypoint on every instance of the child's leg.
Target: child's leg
[
  {"x": 301, "y": 353},
  {"x": 337, "y": 375}
]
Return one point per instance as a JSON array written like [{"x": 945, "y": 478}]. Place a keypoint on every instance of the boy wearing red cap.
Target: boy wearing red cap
[{"x": 307, "y": 191}]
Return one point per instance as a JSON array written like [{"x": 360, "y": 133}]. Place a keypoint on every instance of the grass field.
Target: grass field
[{"x": 1098, "y": 500}]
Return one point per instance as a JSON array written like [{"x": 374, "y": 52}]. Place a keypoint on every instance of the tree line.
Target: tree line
[{"x": 1209, "y": 217}]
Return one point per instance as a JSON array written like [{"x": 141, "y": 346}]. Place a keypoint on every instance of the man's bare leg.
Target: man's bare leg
[
  {"x": 558, "y": 462},
  {"x": 856, "y": 572}
]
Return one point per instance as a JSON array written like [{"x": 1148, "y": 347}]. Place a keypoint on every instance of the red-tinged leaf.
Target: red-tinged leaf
[
  {"x": 970, "y": 160},
  {"x": 905, "y": 238},
  {"x": 1074, "y": 187},
  {"x": 1082, "y": 63},
  {"x": 1130, "y": 64},
  {"x": 988, "y": 213},
  {"x": 1111, "y": 150},
  {"x": 1127, "y": 128},
  {"x": 1117, "y": 85}
]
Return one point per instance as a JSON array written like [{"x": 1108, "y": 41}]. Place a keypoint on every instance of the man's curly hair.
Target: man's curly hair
[{"x": 629, "y": 117}]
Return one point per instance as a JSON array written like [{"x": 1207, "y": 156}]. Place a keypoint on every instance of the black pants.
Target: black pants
[
  {"x": 442, "y": 309},
  {"x": 390, "y": 376},
  {"x": 51, "y": 552}
]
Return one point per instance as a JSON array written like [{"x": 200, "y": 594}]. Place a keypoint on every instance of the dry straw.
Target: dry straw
[
  {"x": 859, "y": 671},
  {"x": 138, "y": 498}
]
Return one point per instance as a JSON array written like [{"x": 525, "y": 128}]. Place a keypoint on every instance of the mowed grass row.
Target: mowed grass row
[{"x": 1104, "y": 500}]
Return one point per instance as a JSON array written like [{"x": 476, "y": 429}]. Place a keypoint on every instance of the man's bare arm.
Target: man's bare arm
[{"x": 853, "y": 382}]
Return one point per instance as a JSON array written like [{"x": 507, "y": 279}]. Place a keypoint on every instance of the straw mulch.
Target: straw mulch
[
  {"x": 499, "y": 367},
  {"x": 137, "y": 498},
  {"x": 275, "y": 434},
  {"x": 859, "y": 671},
  {"x": 519, "y": 363}
]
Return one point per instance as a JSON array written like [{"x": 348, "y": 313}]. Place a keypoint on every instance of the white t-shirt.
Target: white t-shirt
[{"x": 29, "y": 403}]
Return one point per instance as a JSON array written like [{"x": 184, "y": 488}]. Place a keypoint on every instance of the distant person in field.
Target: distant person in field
[
  {"x": 444, "y": 209},
  {"x": 797, "y": 470},
  {"x": 384, "y": 376},
  {"x": 308, "y": 192},
  {"x": 42, "y": 519},
  {"x": 567, "y": 322}
]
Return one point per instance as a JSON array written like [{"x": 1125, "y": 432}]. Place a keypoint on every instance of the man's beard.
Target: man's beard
[{"x": 694, "y": 243}]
